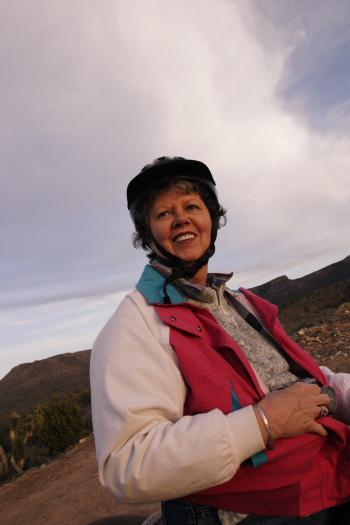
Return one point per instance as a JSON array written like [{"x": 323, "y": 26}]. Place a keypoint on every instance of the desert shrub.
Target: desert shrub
[
  {"x": 58, "y": 424},
  {"x": 83, "y": 398}
]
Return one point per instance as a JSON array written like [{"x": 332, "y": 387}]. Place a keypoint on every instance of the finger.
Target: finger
[
  {"x": 316, "y": 428},
  {"x": 323, "y": 399},
  {"x": 310, "y": 387},
  {"x": 319, "y": 399}
]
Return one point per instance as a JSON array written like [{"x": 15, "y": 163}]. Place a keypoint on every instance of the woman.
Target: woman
[{"x": 199, "y": 397}]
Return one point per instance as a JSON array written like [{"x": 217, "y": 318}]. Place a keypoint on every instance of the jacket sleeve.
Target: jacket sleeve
[
  {"x": 341, "y": 383},
  {"x": 147, "y": 450}
]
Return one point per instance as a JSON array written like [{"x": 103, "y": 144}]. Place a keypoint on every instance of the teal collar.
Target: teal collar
[{"x": 151, "y": 286}]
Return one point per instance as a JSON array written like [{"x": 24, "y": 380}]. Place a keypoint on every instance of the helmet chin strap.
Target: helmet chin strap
[{"x": 179, "y": 267}]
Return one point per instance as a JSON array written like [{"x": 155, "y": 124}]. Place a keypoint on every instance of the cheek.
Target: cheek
[
  {"x": 158, "y": 232},
  {"x": 207, "y": 226}
]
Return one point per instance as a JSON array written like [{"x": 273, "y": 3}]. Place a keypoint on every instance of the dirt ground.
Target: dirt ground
[{"x": 66, "y": 492}]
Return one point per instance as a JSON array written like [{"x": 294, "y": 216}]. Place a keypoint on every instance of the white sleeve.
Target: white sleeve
[
  {"x": 341, "y": 383},
  {"x": 147, "y": 450}
]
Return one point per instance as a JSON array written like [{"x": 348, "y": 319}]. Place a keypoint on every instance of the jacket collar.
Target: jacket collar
[{"x": 151, "y": 286}]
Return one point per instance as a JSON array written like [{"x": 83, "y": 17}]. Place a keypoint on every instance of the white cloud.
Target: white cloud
[
  {"x": 92, "y": 91},
  {"x": 42, "y": 330}
]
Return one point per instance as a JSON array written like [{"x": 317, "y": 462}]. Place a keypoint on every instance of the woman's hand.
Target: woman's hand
[{"x": 293, "y": 410}]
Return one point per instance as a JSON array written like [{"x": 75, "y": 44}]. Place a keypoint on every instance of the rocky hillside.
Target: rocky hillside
[
  {"x": 329, "y": 341},
  {"x": 30, "y": 384}
]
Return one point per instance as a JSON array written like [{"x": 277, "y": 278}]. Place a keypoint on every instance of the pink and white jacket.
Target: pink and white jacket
[{"x": 169, "y": 425}]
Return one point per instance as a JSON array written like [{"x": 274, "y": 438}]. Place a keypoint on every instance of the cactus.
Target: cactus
[
  {"x": 4, "y": 463},
  {"x": 20, "y": 433}
]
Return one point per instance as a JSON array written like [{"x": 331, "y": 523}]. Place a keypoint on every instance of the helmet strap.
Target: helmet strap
[{"x": 179, "y": 267}]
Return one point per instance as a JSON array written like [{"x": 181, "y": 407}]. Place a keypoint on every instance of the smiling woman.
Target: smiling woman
[
  {"x": 180, "y": 200},
  {"x": 199, "y": 398}
]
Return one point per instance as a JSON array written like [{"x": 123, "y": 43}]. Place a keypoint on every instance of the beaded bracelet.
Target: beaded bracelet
[{"x": 270, "y": 440}]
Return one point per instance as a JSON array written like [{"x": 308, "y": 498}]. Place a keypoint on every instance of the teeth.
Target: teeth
[{"x": 184, "y": 237}]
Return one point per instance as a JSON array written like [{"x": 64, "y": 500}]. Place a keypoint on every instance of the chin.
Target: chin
[{"x": 188, "y": 258}]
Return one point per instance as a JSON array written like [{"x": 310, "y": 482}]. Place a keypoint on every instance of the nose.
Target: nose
[{"x": 180, "y": 218}]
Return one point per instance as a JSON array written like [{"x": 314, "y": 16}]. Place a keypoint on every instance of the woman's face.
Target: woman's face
[{"x": 181, "y": 224}]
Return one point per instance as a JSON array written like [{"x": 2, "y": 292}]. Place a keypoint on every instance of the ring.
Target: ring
[{"x": 323, "y": 412}]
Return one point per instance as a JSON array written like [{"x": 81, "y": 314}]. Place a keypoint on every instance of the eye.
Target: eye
[
  {"x": 162, "y": 214},
  {"x": 193, "y": 206}
]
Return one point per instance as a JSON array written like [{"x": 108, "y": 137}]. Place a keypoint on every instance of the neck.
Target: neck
[{"x": 201, "y": 276}]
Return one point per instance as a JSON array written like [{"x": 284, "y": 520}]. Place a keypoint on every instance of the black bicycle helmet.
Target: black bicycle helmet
[{"x": 169, "y": 167}]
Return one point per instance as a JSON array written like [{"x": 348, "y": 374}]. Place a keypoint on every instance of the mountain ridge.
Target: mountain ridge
[{"x": 282, "y": 290}]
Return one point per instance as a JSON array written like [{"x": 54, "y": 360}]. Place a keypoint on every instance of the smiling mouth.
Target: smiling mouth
[{"x": 182, "y": 237}]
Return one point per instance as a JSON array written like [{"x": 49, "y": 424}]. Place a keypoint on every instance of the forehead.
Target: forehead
[{"x": 174, "y": 195}]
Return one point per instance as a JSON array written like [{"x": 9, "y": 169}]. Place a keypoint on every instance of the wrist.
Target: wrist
[{"x": 264, "y": 427}]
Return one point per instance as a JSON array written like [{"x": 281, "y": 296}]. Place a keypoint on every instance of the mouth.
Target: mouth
[{"x": 183, "y": 237}]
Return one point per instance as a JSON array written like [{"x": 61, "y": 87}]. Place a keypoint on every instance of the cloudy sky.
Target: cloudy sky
[{"x": 91, "y": 90}]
